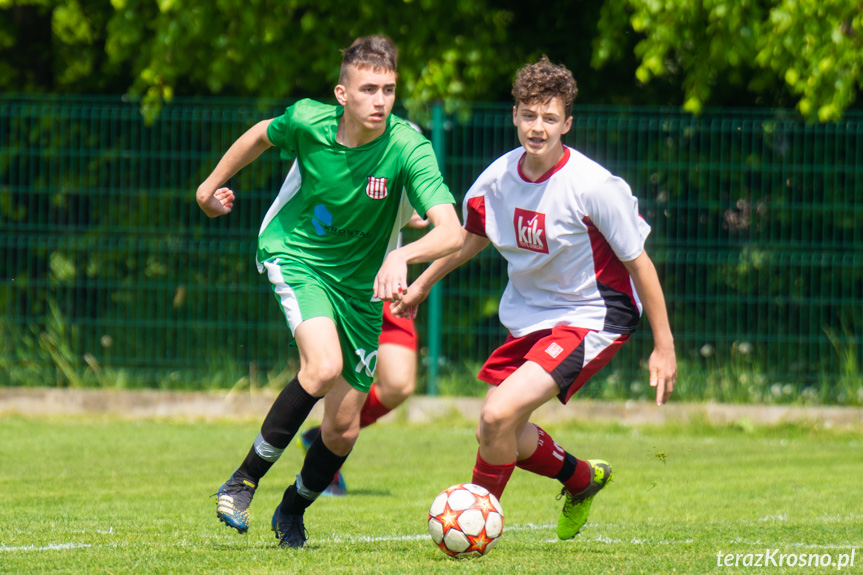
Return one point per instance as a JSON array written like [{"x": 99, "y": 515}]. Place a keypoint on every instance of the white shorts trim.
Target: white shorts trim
[
  {"x": 287, "y": 297},
  {"x": 596, "y": 342}
]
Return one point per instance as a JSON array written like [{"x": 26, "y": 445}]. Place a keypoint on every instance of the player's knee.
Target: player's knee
[
  {"x": 408, "y": 388},
  {"x": 321, "y": 373},
  {"x": 340, "y": 440},
  {"x": 394, "y": 393},
  {"x": 349, "y": 437},
  {"x": 495, "y": 417}
]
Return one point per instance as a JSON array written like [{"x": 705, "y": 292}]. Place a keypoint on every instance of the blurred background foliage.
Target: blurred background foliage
[
  {"x": 804, "y": 52},
  {"x": 773, "y": 53},
  {"x": 109, "y": 274}
]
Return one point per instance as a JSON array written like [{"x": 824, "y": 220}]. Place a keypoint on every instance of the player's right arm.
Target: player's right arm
[
  {"x": 217, "y": 201},
  {"x": 418, "y": 291}
]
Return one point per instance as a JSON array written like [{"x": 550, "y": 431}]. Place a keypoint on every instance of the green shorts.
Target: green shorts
[{"x": 303, "y": 295}]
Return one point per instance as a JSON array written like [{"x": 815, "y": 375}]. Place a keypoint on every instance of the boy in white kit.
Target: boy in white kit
[{"x": 578, "y": 280}]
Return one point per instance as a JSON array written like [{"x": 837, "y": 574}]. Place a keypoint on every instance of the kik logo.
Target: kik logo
[
  {"x": 321, "y": 218},
  {"x": 530, "y": 230}
]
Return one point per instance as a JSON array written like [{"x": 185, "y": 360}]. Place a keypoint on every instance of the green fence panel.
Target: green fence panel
[{"x": 111, "y": 275}]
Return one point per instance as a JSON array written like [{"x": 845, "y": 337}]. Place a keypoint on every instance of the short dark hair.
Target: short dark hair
[
  {"x": 542, "y": 81},
  {"x": 375, "y": 52}
]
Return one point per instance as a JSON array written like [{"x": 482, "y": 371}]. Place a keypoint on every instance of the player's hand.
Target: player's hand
[
  {"x": 406, "y": 306},
  {"x": 663, "y": 373},
  {"x": 417, "y": 222},
  {"x": 391, "y": 282},
  {"x": 399, "y": 310},
  {"x": 219, "y": 204}
]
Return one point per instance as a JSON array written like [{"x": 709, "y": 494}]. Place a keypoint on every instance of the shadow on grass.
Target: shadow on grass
[{"x": 371, "y": 492}]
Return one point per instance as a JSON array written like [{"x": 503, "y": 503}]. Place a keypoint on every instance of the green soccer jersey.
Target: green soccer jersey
[{"x": 341, "y": 213}]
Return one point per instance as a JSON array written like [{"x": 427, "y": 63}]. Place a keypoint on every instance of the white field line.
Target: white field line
[
  {"x": 508, "y": 528},
  {"x": 525, "y": 527},
  {"x": 795, "y": 544},
  {"x": 823, "y": 518},
  {"x": 636, "y": 541},
  {"x": 371, "y": 539},
  {"x": 49, "y": 547}
]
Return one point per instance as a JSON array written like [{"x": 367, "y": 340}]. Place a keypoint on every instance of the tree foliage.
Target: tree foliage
[
  {"x": 57, "y": 46},
  {"x": 449, "y": 49},
  {"x": 814, "y": 50},
  {"x": 713, "y": 52}
]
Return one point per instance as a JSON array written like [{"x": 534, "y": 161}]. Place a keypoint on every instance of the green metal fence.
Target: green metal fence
[{"x": 110, "y": 275}]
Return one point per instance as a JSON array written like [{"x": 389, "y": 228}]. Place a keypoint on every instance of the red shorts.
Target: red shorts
[
  {"x": 572, "y": 355},
  {"x": 397, "y": 331}
]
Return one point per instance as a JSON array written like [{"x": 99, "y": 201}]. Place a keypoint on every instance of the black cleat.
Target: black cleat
[
  {"x": 289, "y": 529},
  {"x": 232, "y": 507}
]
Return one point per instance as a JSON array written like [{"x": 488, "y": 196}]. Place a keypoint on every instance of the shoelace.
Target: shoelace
[
  {"x": 291, "y": 523},
  {"x": 569, "y": 499},
  {"x": 233, "y": 489}
]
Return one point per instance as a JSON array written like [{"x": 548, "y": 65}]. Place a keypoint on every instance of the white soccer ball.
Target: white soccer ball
[{"x": 465, "y": 520}]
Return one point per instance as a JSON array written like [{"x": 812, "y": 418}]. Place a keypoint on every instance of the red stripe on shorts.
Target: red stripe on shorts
[{"x": 559, "y": 351}]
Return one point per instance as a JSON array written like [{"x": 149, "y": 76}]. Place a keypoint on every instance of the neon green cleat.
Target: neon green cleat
[{"x": 573, "y": 516}]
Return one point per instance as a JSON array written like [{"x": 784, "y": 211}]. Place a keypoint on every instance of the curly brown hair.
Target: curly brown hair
[
  {"x": 542, "y": 81},
  {"x": 375, "y": 52}
]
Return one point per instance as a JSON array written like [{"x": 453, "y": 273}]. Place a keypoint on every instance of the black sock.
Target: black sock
[
  {"x": 254, "y": 467},
  {"x": 569, "y": 463},
  {"x": 281, "y": 424},
  {"x": 287, "y": 414},
  {"x": 320, "y": 466}
]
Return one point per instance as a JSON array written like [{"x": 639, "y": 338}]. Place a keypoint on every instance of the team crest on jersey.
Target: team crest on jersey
[
  {"x": 376, "y": 189},
  {"x": 530, "y": 230}
]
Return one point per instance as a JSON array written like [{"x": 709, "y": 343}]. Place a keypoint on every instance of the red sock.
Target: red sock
[
  {"x": 580, "y": 478},
  {"x": 373, "y": 409},
  {"x": 550, "y": 460},
  {"x": 492, "y": 477}
]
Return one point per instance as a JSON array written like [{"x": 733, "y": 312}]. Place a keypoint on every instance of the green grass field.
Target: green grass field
[{"x": 100, "y": 496}]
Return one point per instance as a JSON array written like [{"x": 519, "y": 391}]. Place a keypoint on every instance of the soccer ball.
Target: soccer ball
[{"x": 465, "y": 520}]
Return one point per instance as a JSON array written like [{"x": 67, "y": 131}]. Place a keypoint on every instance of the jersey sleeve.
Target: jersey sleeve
[
  {"x": 474, "y": 205},
  {"x": 474, "y": 215},
  {"x": 424, "y": 182},
  {"x": 281, "y": 133},
  {"x": 613, "y": 209}
]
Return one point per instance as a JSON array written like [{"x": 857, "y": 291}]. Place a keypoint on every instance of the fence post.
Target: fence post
[{"x": 435, "y": 300}]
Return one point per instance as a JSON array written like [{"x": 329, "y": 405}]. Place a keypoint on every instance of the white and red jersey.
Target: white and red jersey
[{"x": 564, "y": 238}]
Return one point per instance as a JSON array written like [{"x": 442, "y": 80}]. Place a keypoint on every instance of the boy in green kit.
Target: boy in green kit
[{"x": 328, "y": 246}]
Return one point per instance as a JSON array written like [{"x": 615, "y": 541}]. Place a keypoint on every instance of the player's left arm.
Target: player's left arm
[
  {"x": 417, "y": 222},
  {"x": 445, "y": 238},
  {"x": 663, "y": 361}
]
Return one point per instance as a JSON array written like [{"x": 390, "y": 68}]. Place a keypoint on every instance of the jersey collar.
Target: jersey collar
[
  {"x": 551, "y": 171},
  {"x": 340, "y": 111}
]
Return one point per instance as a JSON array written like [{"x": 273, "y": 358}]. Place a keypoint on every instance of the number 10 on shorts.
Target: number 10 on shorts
[{"x": 369, "y": 362}]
